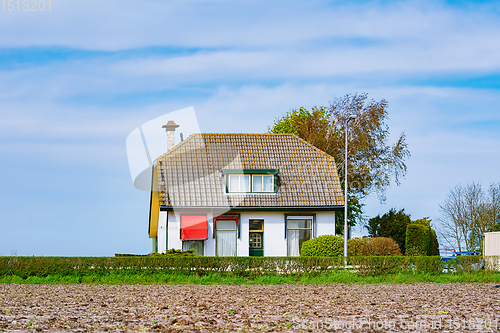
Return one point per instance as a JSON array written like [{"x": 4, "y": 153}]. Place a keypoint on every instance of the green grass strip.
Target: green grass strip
[{"x": 339, "y": 277}]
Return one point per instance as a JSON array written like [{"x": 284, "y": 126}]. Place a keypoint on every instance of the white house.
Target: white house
[{"x": 242, "y": 194}]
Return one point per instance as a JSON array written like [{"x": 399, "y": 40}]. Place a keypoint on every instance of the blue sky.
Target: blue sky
[{"x": 76, "y": 80}]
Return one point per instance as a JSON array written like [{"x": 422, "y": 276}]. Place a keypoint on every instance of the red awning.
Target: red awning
[{"x": 194, "y": 227}]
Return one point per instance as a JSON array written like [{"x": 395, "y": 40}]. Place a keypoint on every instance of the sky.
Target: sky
[{"x": 78, "y": 77}]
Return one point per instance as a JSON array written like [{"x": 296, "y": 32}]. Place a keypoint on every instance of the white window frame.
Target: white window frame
[
  {"x": 298, "y": 217},
  {"x": 235, "y": 230}
]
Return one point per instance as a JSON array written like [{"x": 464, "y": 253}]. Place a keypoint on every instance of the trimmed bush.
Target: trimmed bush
[
  {"x": 434, "y": 244},
  {"x": 417, "y": 239},
  {"x": 376, "y": 246},
  {"x": 421, "y": 239},
  {"x": 431, "y": 265},
  {"x": 353, "y": 245},
  {"x": 375, "y": 265},
  {"x": 323, "y": 246}
]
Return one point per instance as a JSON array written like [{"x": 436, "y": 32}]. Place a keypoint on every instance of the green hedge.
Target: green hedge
[
  {"x": 243, "y": 266},
  {"x": 239, "y": 266},
  {"x": 375, "y": 265}
]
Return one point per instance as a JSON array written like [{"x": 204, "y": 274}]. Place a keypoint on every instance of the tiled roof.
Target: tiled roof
[{"x": 190, "y": 175}]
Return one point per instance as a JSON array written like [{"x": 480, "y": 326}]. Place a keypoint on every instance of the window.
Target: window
[
  {"x": 197, "y": 245},
  {"x": 256, "y": 225},
  {"x": 262, "y": 183},
  {"x": 299, "y": 230},
  {"x": 239, "y": 183},
  {"x": 251, "y": 180},
  {"x": 226, "y": 238}
]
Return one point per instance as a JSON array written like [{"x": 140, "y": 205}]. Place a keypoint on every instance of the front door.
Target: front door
[{"x": 256, "y": 238}]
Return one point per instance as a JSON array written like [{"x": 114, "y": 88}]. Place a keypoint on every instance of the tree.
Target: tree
[
  {"x": 421, "y": 239},
  {"x": 494, "y": 193},
  {"x": 372, "y": 161},
  {"x": 468, "y": 212},
  {"x": 392, "y": 224}
]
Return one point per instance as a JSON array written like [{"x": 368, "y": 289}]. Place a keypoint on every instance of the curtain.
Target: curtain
[
  {"x": 226, "y": 238},
  {"x": 293, "y": 239},
  {"x": 197, "y": 245}
]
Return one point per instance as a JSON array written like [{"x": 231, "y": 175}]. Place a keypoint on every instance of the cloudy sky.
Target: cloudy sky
[{"x": 79, "y": 76}]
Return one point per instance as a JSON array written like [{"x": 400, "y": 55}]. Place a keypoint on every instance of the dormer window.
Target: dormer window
[
  {"x": 262, "y": 183},
  {"x": 251, "y": 180},
  {"x": 239, "y": 183}
]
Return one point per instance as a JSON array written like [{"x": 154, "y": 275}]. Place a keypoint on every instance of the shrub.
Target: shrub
[
  {"x": 413, "y": 251},
  {"x": 434, "y": 244},
  {"x": 375, "y": 265},
  {"x": 421, "y": 239},
  {"x": 323, "y": 246},
  {"x": 417, "y": 238},
  {"x": 431, "y": 265},
  {"x": 376, "y": 246},
  {"x": 353, "y": 245},
  {"x": 177, "y": 253}
]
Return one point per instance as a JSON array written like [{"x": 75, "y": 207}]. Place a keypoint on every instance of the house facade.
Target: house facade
[{"x": 242, "y": 195}]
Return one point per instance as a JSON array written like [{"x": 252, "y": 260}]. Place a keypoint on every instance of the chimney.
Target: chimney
[{"x": 170, "y": 128}]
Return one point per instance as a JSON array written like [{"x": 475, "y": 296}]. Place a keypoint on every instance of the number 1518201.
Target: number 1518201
[{"x": 26, "y": 5}]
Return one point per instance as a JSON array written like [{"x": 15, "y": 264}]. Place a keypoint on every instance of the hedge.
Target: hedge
[{"x": 239, "y": 266}]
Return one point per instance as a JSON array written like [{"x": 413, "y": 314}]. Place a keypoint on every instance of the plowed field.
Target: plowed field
[{"x": 250, "y": 308}]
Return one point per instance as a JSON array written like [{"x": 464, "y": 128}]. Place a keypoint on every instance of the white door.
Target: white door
[{"x": 226, "y": 238}]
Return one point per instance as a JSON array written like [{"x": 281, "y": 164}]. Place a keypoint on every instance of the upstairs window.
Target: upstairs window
[
  {"x": 262, "y": 183},
  {"x": 239, "y": 183},
  {"x": 251, "y": 180}
]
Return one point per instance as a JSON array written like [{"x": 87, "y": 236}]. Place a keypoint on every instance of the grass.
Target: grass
[{"x": 339, "y": 277}]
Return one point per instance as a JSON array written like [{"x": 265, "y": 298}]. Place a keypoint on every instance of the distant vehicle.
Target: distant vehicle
[
  {"x": 454, "y": 255},
  {"x": 466, "y": 253}
]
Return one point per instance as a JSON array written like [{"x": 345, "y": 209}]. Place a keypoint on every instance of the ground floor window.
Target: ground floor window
[
  {"x": 299, "y": 230},
  {"x": 226, "y": 238},
  {"x": 194, "y": 244}
]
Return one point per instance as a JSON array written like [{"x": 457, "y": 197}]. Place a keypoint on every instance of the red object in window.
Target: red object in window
[{"x": 194, "y": 227}]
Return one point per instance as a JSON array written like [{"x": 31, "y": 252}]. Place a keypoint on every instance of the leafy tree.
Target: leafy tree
[
  {"x": 392, "y": 224},
  {"x": 372, "y": 161}
]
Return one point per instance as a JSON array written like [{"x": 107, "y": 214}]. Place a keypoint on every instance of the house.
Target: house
[
  {"x": 491, "y": 252},
  {"x": 242, "y": 194}
]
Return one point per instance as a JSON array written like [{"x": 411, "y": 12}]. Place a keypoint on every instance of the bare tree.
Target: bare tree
[{"x": 468, "y": 212}]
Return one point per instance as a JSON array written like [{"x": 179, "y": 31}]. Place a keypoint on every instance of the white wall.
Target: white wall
[
  {"x": 274, "y": 231},
  {"x": 162, "y": 232},
  {"x": 325, "y": 223},
  {"x": 492, "y": 243},
  {"x": 174, "y": 234},
  {"x": 209, "y": 244}
]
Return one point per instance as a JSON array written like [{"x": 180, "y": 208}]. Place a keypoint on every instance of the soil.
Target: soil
[{"x": 426, "y": 307}]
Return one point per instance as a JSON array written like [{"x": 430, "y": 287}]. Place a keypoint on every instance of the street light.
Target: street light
[{"x": 351, "y": 117}]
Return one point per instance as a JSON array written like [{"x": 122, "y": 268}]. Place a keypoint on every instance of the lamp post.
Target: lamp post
[{"x": 352, "y": 117}]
